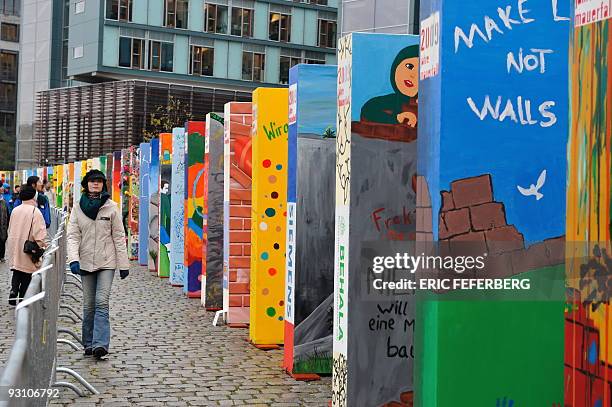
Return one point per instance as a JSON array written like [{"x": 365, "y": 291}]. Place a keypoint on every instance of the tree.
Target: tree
[{"x": 165, "y": 118}]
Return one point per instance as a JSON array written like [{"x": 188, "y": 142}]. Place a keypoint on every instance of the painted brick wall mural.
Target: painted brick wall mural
[
  {"x": 177, "y": 215},
  {"x": 165, "y": 206},
  {"x": 213, "y": 284},
  {"x": 194, "y": 206},
  {"x": 492, "y": 153},
  {"x": 143, "y": 204},
  {"x": 153, "y": 252},
  {"x": 237, "y": 172},
  {"x": 377, "y": 102},
  {"x": 588, "y": 330},
  {"x": 310, "y": 219}
]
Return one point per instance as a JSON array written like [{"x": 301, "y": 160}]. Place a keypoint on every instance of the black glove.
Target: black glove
[
  {"x": 124, "y": 273},
  {"x": 75, "y": 268}
]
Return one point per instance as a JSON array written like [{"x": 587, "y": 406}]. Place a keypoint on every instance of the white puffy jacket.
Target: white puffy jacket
[{"x": 99, "y": 244}]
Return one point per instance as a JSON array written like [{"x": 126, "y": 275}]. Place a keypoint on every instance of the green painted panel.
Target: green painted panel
[
  {"x": 220, "y": 62},
  {"x": 473, "y": 353},
  {"x": 156, "y": 12},
  {"x": 110, "y": 50},
  {"x": 234, "y": 70},
  {"x": 261, "y": 20},
  {"x": 310, "y": 27},
  {"x": 272, "y": 64},
  {"x": 181, "y": 54},
  {"x": 196, "y": 15},
  {"x": 297, "y": 25},
  {"x": 140, "y": 11}
]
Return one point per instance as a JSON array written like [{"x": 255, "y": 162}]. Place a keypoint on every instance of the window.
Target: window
[
  {"x": 177, "y": 13},
  {"x": 215, "y": 18},
  {"x": 242, "y": 22},
  {"x": 280, "y": 27},
  {"x": 288, "y": 59},
  {"x": 79, "y": 7},
  {"x": 253, "y": 66},
  {"x": 327, "y": 34},
  {"x": 77, "y": 52},
  {"x": 10, "y": 32},
  {"x": 8, "y": 96},
  {"x": 118, "y": 10},
  {"x": 319, "y": 2},
  {"x": 161, "y": 56},
  {"x": 10, "y": 7},
  {"x": 131, "y": 52},
  {"x": 202, "y": 60},
  {"x": 7, "y": 122},
  {"x": 8, "y": 66},
  {"x": 314, "y": 58}
]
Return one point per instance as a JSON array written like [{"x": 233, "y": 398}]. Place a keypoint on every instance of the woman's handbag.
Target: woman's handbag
[{"x": 31, "y": 247}]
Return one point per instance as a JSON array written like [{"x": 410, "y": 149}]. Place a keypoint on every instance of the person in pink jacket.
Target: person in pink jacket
[{"x": 26, "y": 223}]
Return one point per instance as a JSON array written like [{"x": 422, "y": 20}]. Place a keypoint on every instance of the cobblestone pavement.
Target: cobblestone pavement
[
  {"x": 165, "y": 352},
  {"x": 7, "y": 315}
]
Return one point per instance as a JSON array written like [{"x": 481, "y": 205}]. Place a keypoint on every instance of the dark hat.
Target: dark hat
[
  {"x": 91, "y": 176},
  {"x": 32, "y": 180},
  {"x": 26, "y": 193}
]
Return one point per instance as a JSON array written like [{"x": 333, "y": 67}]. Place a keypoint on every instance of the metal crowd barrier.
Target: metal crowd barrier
[{"x": 29, "y": 376}]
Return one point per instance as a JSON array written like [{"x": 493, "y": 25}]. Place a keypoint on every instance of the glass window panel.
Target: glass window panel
[
  {"x": 125, "y": 51},
  {"x": 247, "y": 66},
  {"x": 182, "y": 13},
  {"x": 208, "y": 57},
  {"x": 10, "y": 32},
  {"x": 155, "y": 51},
  {"x": 236, "y": 21},
  {"x": 167, "y": 56},
  {"x": 247, "y": 23},
  {"x": 221, "y": 26},
  {"x": 112, "y": 9},
  {"x": 274, "y": 30}
]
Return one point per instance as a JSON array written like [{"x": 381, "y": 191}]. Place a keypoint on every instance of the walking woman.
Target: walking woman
[
  {"x": 96, "y": 248},
  {"x": 26, "y": 224}
]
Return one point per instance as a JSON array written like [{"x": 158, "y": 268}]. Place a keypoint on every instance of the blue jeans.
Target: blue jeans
[{"x": 96, "y": 295}]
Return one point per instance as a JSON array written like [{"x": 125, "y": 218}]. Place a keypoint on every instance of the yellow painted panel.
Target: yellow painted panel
[{"x": 269, "y": 205}]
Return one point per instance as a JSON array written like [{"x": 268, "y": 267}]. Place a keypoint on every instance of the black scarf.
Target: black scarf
[{"x": 91, "y": 203}]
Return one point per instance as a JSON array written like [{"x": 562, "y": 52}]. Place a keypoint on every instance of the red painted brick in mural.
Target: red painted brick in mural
[{"x": 239, "y": 127}]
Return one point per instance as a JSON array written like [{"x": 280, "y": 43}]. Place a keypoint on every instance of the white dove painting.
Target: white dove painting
[{"x": 534, "y": 189}]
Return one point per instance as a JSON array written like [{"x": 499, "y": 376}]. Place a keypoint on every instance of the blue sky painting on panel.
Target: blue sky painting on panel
[{"x": 316, "y": 102}]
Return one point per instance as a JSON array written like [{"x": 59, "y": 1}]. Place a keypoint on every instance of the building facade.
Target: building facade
[
  {"x": 79, "y": 122},
  {"x": 229, "y": 44},
  {"x": 380, "y": 16},
  {"x": 9, "y": 59},
  {"x": 223, "y": 45}
]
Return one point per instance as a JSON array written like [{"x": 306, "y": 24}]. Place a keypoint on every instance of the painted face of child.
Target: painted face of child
[{"x": 407, "y": 76}]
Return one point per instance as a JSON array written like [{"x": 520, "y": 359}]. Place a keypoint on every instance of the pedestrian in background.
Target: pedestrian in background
[
  {"x": 14, "y": 197},
  {"x": 26, "y": 225},
  {"x": 41, "y": 199},
  {"x": 96, "y": 248},
  {"x": 7, "y": 192},
  {"x": 4, "y": 222}
]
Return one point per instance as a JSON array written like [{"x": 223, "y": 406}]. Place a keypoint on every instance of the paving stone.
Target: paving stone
[{"x": 165, "y": 351}]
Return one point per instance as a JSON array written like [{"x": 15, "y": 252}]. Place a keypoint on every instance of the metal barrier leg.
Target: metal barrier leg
[
  {"x": 71, "y": 333},
  {"x": 67, "y": 342},
  {"x": 217, "y": 315},
  {"x": 70, "y": 296},
  {"x": 69, "y": 386},
  {"x": 73, "y": 283},
  {"x": 77, "y": 376},
  {"x": 69, "y": 317},
  {"x": 68, "y": 307}
]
